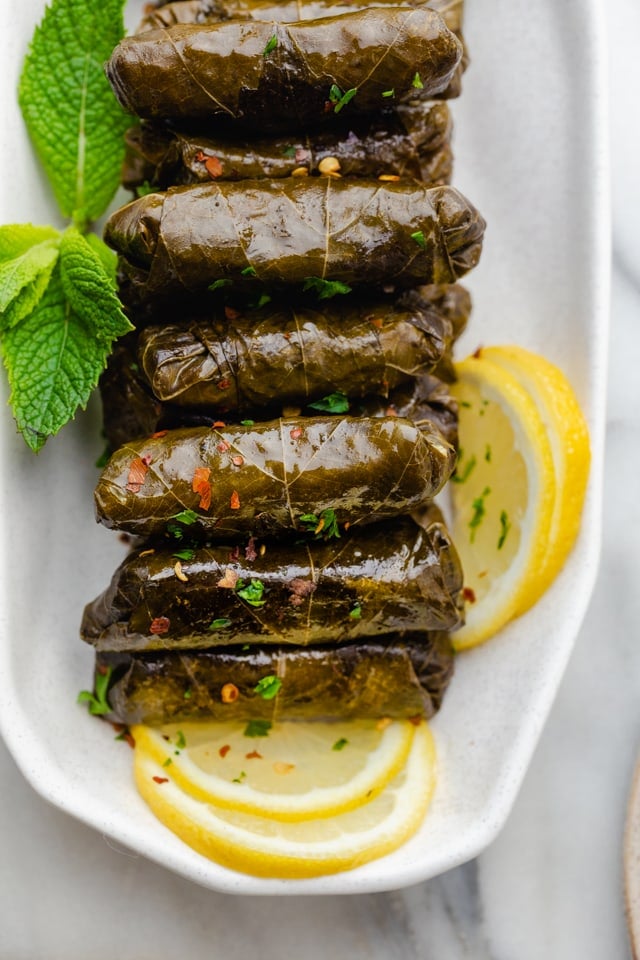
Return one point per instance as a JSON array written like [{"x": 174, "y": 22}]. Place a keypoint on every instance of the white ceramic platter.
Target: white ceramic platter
[{"x": 531, "y": 153}]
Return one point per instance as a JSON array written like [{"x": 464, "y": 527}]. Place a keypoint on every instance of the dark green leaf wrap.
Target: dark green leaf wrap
[
  {"x": 426, "y": 401},
  {"x": 290, "y": 356},
  {"x": 395, "y": 678},
  {"x": 411, "y": 141},
  {"x": 383, "y": 579},
  {"x": 270, "y": 75},
  {"x": 210, "y": 11},
  {"x": 352, "y": 231},
  {"x": 264, "y": 477}
]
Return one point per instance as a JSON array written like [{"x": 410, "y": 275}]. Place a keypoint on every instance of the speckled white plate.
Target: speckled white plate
[{"x": 531, "y": 153}]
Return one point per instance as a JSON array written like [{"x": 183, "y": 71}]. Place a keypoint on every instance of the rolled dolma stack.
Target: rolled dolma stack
[{"x": 290, "y": 267}]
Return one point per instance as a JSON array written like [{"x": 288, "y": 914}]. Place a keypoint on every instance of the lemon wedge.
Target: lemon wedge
[
  {"x": 519, "y": 486},
  {"x": 569, "y": 436},
  {"x": 266, "y": 847},
  {"x": 299, "y": 771},
  {"x": 503, "y": 496}
]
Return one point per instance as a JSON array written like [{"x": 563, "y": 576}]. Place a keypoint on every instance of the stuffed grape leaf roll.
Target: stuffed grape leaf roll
[
  {"x": 391, "y": 678},
  {"x": 279, "y": 356},
  {"x": 410, "y": 141},
  {"x": 272, "y": 76},
  {"x": 295, "y": 231},
  {"x": 227, "y": 482},
  {"x": 382, "y": 579}
]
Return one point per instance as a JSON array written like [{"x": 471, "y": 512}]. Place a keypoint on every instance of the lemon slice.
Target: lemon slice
[
  {"x": 300, "y": 770},
  {"x": 503, "y": 497},
  {"x": 569, "y": 436},
  {"x": 265, "y": 847}
]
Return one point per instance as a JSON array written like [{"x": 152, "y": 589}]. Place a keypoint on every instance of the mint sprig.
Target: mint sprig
[
  {"x": 73, "y": 118},
  {"x": 59, "y": 311}
]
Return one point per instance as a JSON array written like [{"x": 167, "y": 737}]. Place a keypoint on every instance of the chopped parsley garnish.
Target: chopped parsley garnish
[
  {"x": 462, "y": 475},
  {"x": 356, "y": 613},
  {"x": 257, "y": 728},
  {"x": 144, "y": 189},
  {"x": 262, "y": 301},
  {"x": 323, "y": 526},
  {"x": 252, "y": 592},
  {"x": 325, "y": 289},
  {"x": 389, "y": 93},
  {"x": 218, "y": 284},
  {"x": 487, "y": 453},
  {"x": 186, "y": 554},
  {"x": 337, "y": 402},
  {"x": 418, "y": 236},
  {"x": 186, "y": 695},
  {"x": 240, "y": 778},
  {"x": 248, "y": 272},
  {"x": 268, "y": 687},
  {"x": 98, "y": 703},
  {"x": 167, "y": 762},
  {"x": 272, "y": 43},
  {"x": 180, "y": 740},
  {"x": 478, "y": 512},
  {"x": 340, "y": 99},
  {"x": 340, "y": 744},
  {"x": 220, "y": 623},
  {"x": 247, "y": 423},
  {"x": 185, "y": 516},
  {"x": 103, "y": 458},
  {"x": 465, "y": 403},
  {"x": 417, "y": 82},
  {"x": 505, "y": 526},
  {"x": 289, "y": 152}
]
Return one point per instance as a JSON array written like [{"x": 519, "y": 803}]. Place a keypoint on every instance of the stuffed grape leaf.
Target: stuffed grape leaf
[
  {"x": 271, "y": 76},
  {"x": 392, "y": 678},
  {"x": 411, "y": 141},
  {"x": 293, "y": 231},
  {"x": 382, "y": 579},
  {"x": 262, "y": 478}
]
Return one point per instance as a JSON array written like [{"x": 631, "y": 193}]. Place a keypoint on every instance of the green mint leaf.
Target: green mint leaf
[
  {"x": 53, "y": 360},
  {"x": 28, "y": 255},
  {"x": 108, "y": 258},
  {"x": 251, "y": 593},
  {"x": 89, "y": 289},
  {"x": 73, "y": 118},
  {"x": 337, "y": 402},
  {"x": 257, "y": 728},
  {"x": 325, "y": 288},
  {"x": 268, "y": 687}
]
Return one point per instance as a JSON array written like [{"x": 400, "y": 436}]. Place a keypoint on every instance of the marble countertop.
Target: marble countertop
[{"x": 550, "y": 885}]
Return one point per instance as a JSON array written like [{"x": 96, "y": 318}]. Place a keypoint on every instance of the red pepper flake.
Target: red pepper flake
[
  {"x": 223, "y": 751},
  {"x": 234, "y": 554},
  {"x": 160, "y": 779},
  {"x": 224, "y": 384},
  {"x": 417, "y": 720},
  {"x": 200, "y": 484},
  {"x": 296, "y": 433},
  {"x": 201, "y": 156},
  {"x": 254, "y": 755},
  {"x": 347, "y": 524},
  {"x": 229, "y": 693},
  {"x": 158, "y": 434},
  {"x": 477, "y": 353},
  {"x": 231, "y": 314},
  {"x": 237, "y": 461},
  {"x": 102, "y": 669},
  {"x": 234, "y": 503},
  {"x": 124, "y": 734},
  {"x": 469, "y": 595},
  {"x": 218, "y": 423},
  {"x": 391, "y": 412},
  {"x": 250, "y": 550},
  {"x": 213, "y": 167},
  {"x": 376, "y": 323},
  {"x": 223, "y": 446},
  {"x": 160, "y": 625},
  {"x": 137, "y": 473}
]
